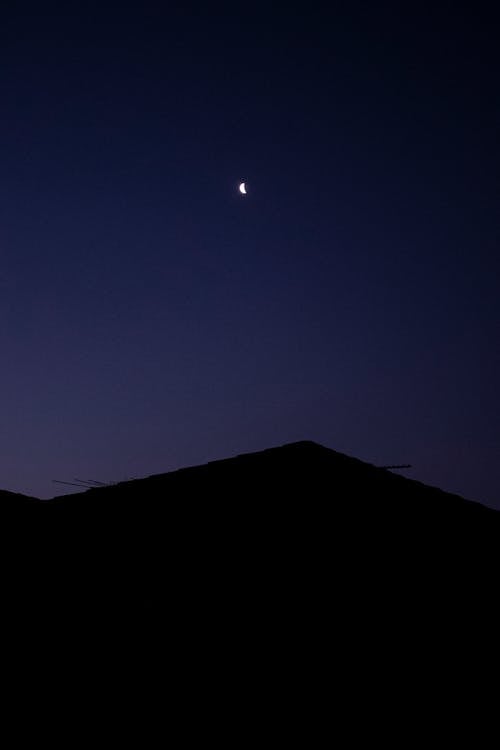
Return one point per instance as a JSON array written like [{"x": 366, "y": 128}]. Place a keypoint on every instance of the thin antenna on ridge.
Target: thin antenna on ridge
[
  {"x": 396, "y": 466},
  {"x": 92, "y": 482},
  {"x": 73, "y": 484}
]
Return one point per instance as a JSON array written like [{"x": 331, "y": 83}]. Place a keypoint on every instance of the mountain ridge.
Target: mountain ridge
[
  {"x": 290, "y": 463},
  {"x": 256, "y": 555}
]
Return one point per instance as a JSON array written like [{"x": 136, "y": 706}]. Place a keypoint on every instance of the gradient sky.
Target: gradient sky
[{"x": 153, "y": 318}]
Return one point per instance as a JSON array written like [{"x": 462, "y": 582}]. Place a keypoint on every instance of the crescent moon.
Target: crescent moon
[{"x": 242, "y": 188}]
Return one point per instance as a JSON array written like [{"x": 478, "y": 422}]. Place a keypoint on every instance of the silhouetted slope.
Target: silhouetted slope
[
  {"x": 279, "y": 504},
  {"x": 298, "y": 467},
  {"x": 302, "y": 487},
  {"x": 15, "y": 499},
  {"x": 274, "y": 574}
]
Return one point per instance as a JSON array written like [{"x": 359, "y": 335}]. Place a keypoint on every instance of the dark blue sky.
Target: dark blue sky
[{"x": 152, "y": 318}]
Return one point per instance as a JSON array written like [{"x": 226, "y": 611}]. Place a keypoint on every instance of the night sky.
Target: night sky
[{"x": 151, "y": 317}]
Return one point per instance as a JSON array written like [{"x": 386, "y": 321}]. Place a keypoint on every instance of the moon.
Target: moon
[{"x": 242, "y": 188}]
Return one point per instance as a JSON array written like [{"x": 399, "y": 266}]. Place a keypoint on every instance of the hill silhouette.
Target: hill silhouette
[
  {"x": 14, "y": 499},
  {"x": 300, "y": 501},
  {"x": 273, "y": 572},
  {"x": 301, "y": 466}
]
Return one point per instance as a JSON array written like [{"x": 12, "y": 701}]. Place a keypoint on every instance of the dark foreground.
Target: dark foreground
[{"x": 254, "y": 581}]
